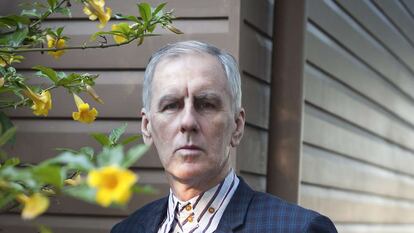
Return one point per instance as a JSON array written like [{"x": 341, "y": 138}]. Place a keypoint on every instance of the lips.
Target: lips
[
  {"x": 189, "y": 147},
  {"x": 189, "y": 150}
]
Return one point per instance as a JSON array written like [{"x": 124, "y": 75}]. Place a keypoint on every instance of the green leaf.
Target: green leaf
[
  {"x": 101, "y": 138},
  {"x": 7, "y": 22},
  {"x": 3, "y": 155},
  {"x": 123, "y": 27},
  {"x": 5, "y": 89},
  {"x": 6, "y": 136},
  {"x": 128, "y": 17},
  {"x": 61, "y": 149},
  {"x": 51, "y": 32},
  {"x": 61, "y": 75},
  {"x": 16, "y": 187},
  {"x": 72, "y": 161},
  {"x": 5, "y": 123},
  {"x": 52, "y": 3},
  {"x": 48, "y": 72},
  {"x": 146, "y": 189},
  {"x": 64, "y": 11},
  {"x": 59, "y": 31},
  {"x": 31, "y": 13},
  {"x": 117, "y": 133},
  {"x": 81, "y": 192},
  {"x": 6, "y": 198},
  {"x": 96, "y": 34},
  {"x": 44, "y": 229},
  {"x": 12, "y": 162},
  {"x": 159, "y": 8},
  {"x": 16, "y": 38},
  {"x": 66, "y": 80},
  {"x": 16, "y": 19},
  {"x": 130, "y": 139},
  {"x": 49, "y": 174},
  {"x": 152, "y": 28},
  {"x": 23, "y": 176},
  {"x": 145, "y": 11},
  {"x": 134, "y": 154},
  {"x": 110, "y": 156},
  {"x": 87, "y": 151}
]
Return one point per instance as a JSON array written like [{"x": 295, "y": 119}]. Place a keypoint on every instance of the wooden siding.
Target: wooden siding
[
  {"x": 358, "y": 120},
  {"x": 242, "y": 27},
  {"x": 255, "y": 52}
]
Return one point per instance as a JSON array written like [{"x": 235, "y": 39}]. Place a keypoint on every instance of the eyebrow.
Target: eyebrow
[
  {"x": 208, "y": 96},
  {"x": 166, "y": 99}
]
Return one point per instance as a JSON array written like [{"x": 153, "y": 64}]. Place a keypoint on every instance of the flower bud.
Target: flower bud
[
  {"x": 93, "y": 93},
  {"x": 174, "y": 29}
]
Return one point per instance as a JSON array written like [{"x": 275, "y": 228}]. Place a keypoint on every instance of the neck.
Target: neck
[{"x": 187, "y": 189}]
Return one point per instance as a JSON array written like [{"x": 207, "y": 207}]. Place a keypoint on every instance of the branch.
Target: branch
[
  {"x": 67, "y": 48},
  {"x": 23, "y": 101},
  {"x": 45, "y": 15}
]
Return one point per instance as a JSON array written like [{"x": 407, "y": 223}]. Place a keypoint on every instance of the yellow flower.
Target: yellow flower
[
  {"x": 33, "y": 205},
  {"x": 42, "y": 102},
  {"x": 118, "y": 38},
  {"x": 95, "y": 9},
  {"x": 84, "y": 114},
  {"x": 113, "y": 184},
  {"x": 52, "y": 43}
]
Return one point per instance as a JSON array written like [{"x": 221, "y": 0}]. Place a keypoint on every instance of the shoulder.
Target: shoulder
[
  {"x": 264, "y": 202},
  {"x": 275, "y": 212},
  {"x": 252, "y": 211},
  {"x": 140, "y": 217}
]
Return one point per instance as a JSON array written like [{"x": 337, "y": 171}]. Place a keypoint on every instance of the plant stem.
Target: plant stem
[
  {"x": 45, "y": 15},
  {"x": 67, "y": 48}
]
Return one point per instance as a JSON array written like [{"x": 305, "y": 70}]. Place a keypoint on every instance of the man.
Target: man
[{"x": 192, "y": 114}]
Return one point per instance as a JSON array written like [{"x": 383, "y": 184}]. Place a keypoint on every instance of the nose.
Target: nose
[{"x": 189, "y": 121}]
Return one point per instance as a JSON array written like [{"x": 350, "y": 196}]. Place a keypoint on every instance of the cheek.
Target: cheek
[
  {"x": 220, "y": 131},
  {"x": 161, "y": 132}
]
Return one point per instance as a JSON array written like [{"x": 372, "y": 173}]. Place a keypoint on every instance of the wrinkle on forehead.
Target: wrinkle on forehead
[
  {"x": 215, "y": 69},
  {"x": 189, "y": 75}
]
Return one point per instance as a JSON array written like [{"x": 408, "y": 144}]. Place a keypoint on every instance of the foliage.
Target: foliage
[
  {"x": 68, "y": 173},
  {"x": 102, "y": 178},
  {"x": 21, "y": 34}
]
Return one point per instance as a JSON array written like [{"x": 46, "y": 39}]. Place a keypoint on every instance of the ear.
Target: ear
[
  {"x": 146, "y": 127},
  {"x": 239, "y": 130}
]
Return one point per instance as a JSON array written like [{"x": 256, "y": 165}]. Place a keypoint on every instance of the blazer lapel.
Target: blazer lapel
[
  {"x": 236, "y": 211},
  {"x": 156, "y": 216}
]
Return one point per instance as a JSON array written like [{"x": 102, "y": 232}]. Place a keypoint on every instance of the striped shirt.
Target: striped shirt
[{"x": 201, "y": 213}]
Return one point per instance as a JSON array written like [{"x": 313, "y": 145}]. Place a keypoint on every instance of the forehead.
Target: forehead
[{"x": 190, "y": 72}]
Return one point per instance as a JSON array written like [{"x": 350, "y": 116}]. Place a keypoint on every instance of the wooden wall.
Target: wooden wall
[
  {"x": 358, "y": 150},
  {"x": 255, "y": 55},
  {"x": 241, "y": 27}
]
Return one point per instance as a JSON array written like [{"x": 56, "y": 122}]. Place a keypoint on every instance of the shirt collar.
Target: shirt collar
[{"x": 208, "y": 201}]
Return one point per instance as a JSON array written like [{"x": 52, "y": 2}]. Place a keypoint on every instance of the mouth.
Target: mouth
[{"x": 189, "y": 150}]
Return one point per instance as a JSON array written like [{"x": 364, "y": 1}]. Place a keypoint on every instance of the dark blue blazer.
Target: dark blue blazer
[{"x": 247, "y": 212}]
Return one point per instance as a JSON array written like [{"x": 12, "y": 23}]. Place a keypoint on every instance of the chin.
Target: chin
[{"x": 188, "y": 172}]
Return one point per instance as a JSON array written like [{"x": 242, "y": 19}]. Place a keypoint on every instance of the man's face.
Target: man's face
[{"x": 191, "y": 121}]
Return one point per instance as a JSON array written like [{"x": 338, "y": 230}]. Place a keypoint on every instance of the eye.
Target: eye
[
  {"x": 206, "y": 105},
  {"x": 170, "y": 106}
]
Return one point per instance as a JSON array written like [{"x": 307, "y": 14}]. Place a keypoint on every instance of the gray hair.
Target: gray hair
[{"x": 188, "y": 47}]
